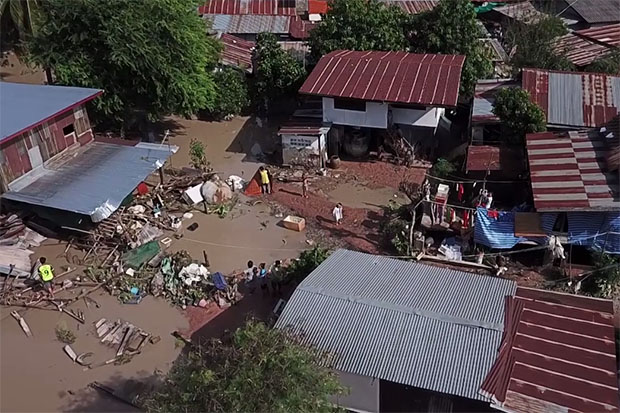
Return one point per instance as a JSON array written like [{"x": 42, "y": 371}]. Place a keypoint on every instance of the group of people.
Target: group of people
[{"x": 269, "y": 280}]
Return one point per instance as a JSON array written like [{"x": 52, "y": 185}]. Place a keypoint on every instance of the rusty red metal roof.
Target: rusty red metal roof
[
  {"x": 395, "y": 77},
  {"x": 300, "y": 28},
  {"x": 317, "y": 7},
  {"x": 568, "y": 172},
  {"x": 302, "y": 126},
  {"x": 608, "y": 35},
  {"x": 580, "y": 99},
  {"x": 558, "y": 354},
  {"x": 579, "y": 50},
  {"x": 237, "y": 52},
  {"x": 495, "y": 158},
  {"x": 271, "y": 7}
]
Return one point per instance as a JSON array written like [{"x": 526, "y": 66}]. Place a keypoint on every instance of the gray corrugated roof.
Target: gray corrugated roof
[
  {"x": 23, "y": 106},
  {"x": 409, "y": 323},
  {"x": 597, "y": 11},
  {"x": 248, "y": 23},
  {"x": 94, "y": 182},
  {"x": 565, "y": 99}
]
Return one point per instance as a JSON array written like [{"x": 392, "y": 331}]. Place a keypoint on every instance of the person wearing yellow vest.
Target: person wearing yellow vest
[
  {"x": 264, "y": 180},
  {"x": 46, "y": 272}
]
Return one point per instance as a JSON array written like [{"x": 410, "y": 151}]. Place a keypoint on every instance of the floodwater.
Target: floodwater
[{"x": 360, "y": 196}]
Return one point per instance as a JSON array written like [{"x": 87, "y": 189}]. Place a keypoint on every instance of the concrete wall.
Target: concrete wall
[
  {"x": 428, "y": 117},
  {"x": 375, "y": 115},
  {"x": 304, "y": 150},
  {"x": 33, "y": 148},
  {"x": 363, "y": 393}
]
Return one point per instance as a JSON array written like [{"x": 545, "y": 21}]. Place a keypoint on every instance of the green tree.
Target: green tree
[
  {"x": 358, "y": 25},
  {"x": 534, "y": 45},
  {"x": 231, "y": 93},
  {"x": 610, "y": 63},
  {"x": 306, "y": 263},
  {"x": 258, "y": 369},
  {"x": 152, "y": 58},
  {"x": 518, "y": 113},
  {"x": 20, "y": 15},
  {"x": 277, "y": 74},
  {"x": 452, "y": 28},
  {"x": 442, "y": 168},
  {"x": 604, "y": 282}
]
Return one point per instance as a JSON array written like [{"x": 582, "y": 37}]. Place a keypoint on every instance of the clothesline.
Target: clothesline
[
  {"x": 471, "y": 181},
  {"x": 450, "y": 205}
]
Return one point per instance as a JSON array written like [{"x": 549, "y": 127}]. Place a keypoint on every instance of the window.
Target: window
[
  {"x": 302, "y": 142},
  {"x": 68, "y": 130},
  {"x": 350, "y": 104}
]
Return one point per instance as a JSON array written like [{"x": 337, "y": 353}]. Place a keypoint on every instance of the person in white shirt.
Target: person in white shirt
[{"x": 337, "y": 213}]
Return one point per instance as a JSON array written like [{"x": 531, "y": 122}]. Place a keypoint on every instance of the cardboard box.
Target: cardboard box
[{"x": 295, "y": 223}]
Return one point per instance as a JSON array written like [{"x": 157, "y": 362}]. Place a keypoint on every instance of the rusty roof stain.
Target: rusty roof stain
[
  {"x": 395, "y": 77},
  {"x": 265, "y": 7},
  {"x": 558, "y": 354},
  {"x": 579, "y": 99},
  {"x": 608, "y": 34},
  {"x": 495, "y": 158},
  {"x": 237, "y": 52}
]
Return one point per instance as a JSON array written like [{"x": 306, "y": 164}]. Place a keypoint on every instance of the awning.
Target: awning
[{"x": 94, "y": 182}]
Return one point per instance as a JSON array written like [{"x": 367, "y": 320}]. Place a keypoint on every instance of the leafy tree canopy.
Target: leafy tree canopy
[
  {"x": 19, "y": 14},
  {"x": 152, "y": 58},
  {"x": 452, "y": 28},
  {"x": 518, "y": 113},
  {"x": 276, "y": 72},
  {"x": 358, "y": 25},
  {"x": 534, "y": 45},
  {"x": 610, "y": 63},
  {"x": 231, "y": 93},
  {"x": 257, "y": 370}
]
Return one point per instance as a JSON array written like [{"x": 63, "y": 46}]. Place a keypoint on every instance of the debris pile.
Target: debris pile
[{"x": 16, "y": 241}]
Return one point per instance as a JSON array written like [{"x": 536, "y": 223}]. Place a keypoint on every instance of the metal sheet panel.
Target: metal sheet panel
[
  {"x": 565, "y": 99},
  {"x": 608, "y": 35},
  {"x": 395, "y": 77},
  {"x": 94, "y": 182},
  {"x": 423, "y": 326},
  {"x": 248, "y": 24},
  {"x": 597, "y": 11},
  {"x": 267, "y": 7},
  {"x": 23, "y": 106}
]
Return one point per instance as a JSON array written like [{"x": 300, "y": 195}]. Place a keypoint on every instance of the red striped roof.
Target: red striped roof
[
  {"x": 395, "y": 77},
  {"x": 568, "y": 172},
  {"x": 579, "y": 50},
  {"x": 558, "y": 354},
  {"x": 608, "y": 35},
  {"x": 237, "y": 52},
  {"x": 272, "y": 7}
]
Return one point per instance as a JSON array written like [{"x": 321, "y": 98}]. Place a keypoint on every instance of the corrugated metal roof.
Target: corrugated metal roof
[
  {"x": 300, "y": 28},
  {"x": 413, "y": 6},
  {"x": 574, "y": 98},
  {"x": 484, "y": 99},
  {"x": 248, "y": 23},
  {"x": 94, "y": 182},
  {"x": 509, "y": 160},
  {"x": 317, "y": 6},
  {"x": 579, "y": 50},
  {"x": 396, "y": 77},
  {"x": 522, "y": 11},
  {"x": 608, "y": 35},
  {"x": 237, "y": 52},
  {"x": 303, "y": 126},
  {"x": 558, "y": 355},
  {"x": 418, "y": 325},
  {"x": 568, "y": 172},
  {"x": 597, "y": 11},
  {"x": 267, "y": 7},
  {"x": 23, "y": 106}
]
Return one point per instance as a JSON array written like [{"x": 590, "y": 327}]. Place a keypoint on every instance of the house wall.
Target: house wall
[
  {"x": 363, "y": 393},
  {"x": 304, "y": 150},
  {"x": 35, "y": 147},
  {"x": 375, "y": 115},
  {"x": 428, "y": 117}
]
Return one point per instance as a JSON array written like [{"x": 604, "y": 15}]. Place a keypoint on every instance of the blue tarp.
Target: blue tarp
[
  {"x": 597, "y": 230},
  {"x": 496, "y": 233}
]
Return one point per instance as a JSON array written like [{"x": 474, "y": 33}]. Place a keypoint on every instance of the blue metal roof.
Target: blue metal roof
[
  {"x": 24, "y": 106},
  {"x": 410, "y": 323},
  {"x": 94, "y": 182}
]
